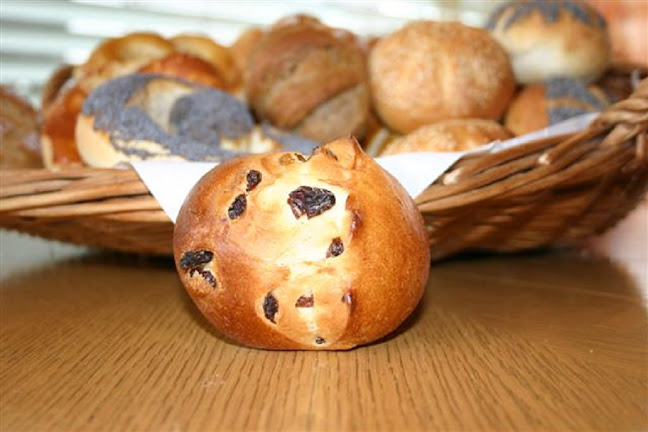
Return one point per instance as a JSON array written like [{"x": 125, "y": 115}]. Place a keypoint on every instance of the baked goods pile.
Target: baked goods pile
[
  {"x": 299, "y": 83},
  {"x": 298, "y": 239}
]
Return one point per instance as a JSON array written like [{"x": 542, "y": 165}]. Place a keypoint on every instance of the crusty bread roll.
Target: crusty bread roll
[
  {"x": 154, "y": 117},
  {"x": 309, "y": 78},
  {"x": 540, "y": 105},
  {"x": 210, "y": 51},
  {"x": 244, "y": 46},
  {"x": 549, "y": 39},
  {"x": 449, "y": 136},
  {"x": 430, "y": 71},
  {"x": 58, "y": 140},
  {"x": 121, "y": 56},
  {"x": 187, "y": 67},
  {"x": 19, "y": 146},
  {"x": 283, "y": 251}
]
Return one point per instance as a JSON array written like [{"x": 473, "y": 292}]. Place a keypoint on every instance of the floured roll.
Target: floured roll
[
  {"x": 152, "y": 117},
  {"x": 430, "y": 71},
  {"x": 286, "y": 251},
  {"x": 552, "y": 39}
]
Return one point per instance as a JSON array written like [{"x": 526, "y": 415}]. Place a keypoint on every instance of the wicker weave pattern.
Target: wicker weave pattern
[{"x": 548, "y": 192}]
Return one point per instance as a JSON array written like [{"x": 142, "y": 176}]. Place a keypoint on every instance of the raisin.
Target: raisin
[
  {"x": 238, "y": 207},
  {"x": 310, "y": 200},
  {"x": 195, "y": 259},
  {"x": 253, "y": 179},
  {"x": 346, "y": 298},
  {"x": 336, "y": 248},
  {"x": 300, "y": 157},
  {"x": 270, "y": 307},
  {"x": 207, "y": 275},
  {"x": 305, "y": 301},
  {"x": 319, "y": 340}
]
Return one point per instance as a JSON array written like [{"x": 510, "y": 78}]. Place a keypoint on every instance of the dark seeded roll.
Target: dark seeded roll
[
  {"x": 549, "y": 39},
  {"x": 540, "y": 105},
  {"x": 153, "y": 117},
  {"x": 286, "y": 251}
]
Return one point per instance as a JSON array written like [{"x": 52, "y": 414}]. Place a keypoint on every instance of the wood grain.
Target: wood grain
[{"x": 536, "y": 342}]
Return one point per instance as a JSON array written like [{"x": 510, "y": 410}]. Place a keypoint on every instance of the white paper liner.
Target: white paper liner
[{"x": 170, "y": 182}]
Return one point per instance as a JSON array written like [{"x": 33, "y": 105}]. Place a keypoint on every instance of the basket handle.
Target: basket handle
[{"x": 627, "y": 119}]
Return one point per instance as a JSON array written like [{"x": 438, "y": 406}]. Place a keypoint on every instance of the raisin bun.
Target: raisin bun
[
  {"x": 449, "y": 136},
  {"x": 19, "y": 146},
  {"x": 155, "y": 117},
  {"x": 430, "y": 71},
  {"x": 540, "y": 105},
  {"x": 308, "y": 78},
  {"x": 283, "y": 251},
  {"x": 549, "y": 39}
]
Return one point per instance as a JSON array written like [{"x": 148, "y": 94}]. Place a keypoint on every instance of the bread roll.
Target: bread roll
[
  {"x": 308, "y": 78},
  {"x": 193, "y": 58},
  {"x": 540, "y": 105},
  {"x": 283, "y": 251},
  {"x": 430, "y": 71},
  {"x": 244, "y": 46},
  {"x": 19, "y": 146},
  {"x": 449, "y": 136},
  {"x": 153, "y": 117},
  {"x": 187, "y": 67},
  {"x": 212, "y": 52},
  {"x": 550, "y": 39},
  {"x": 57, "y": 134}
]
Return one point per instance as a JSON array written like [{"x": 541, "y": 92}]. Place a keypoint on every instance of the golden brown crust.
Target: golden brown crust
[
  {"x": 430, "y": 71},
  {"x": 553, "y": 39},
  {"x": 212, "y": 52},
  {"x": 58, "y": 131},
  {"x": 60, "y": 78},
  {"x": 449, "y": 136},
  {"x": 187, "y": 67},
  {"x": 244, "y": 46},
  {"x": 535, "y": 108},
  {"x": 299, "y": 66},
  {"x": 134, "y": 47},
  {"x": 276, "y": 284},
  {"x": 19, "y": 146}
]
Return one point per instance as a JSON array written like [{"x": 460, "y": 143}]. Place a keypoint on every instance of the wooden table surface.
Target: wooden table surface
[{"x": 545, "y": 341}]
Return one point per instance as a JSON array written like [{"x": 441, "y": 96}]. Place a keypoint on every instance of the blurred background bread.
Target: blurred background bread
[
  {"x": 309, "y": 78},
  {"x": 549, "y": 39},
  {"x": 194, "y": 58},
  {"x": 19, "y": 146},
  {"x": 430, "y": 71},
  {"x": 537, "y": 106},
  {"x": 449, "y": 136}
]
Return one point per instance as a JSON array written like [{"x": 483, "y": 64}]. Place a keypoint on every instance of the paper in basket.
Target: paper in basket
[{"x": 171, "y": 182}]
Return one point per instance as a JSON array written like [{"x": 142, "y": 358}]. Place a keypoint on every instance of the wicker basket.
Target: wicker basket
[{"x": 555, "y": 191}]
